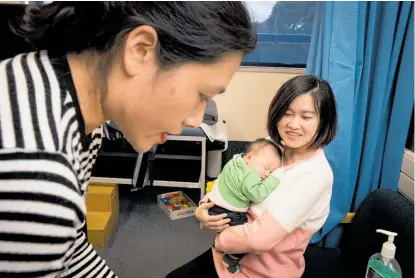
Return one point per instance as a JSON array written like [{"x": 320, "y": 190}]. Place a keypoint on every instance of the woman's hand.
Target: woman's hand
[{"x": 215, "y": 223}]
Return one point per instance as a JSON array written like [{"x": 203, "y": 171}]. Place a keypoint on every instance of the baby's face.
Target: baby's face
[{"x": 264, "y": 161}]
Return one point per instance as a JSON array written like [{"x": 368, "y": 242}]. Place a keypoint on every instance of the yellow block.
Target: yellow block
[
  {"x": 209, "y": 186},
  {"x": 102, "y": 198},
  {"x": 101, "y": 184},
  {"x": 102, "y": 213},
  {"x": 100, "y": 227}
]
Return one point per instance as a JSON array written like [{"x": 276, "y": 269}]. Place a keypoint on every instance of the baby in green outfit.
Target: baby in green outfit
[{"x": 247, "y": 178}]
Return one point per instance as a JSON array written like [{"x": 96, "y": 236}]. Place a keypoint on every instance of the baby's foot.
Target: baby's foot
[
  {"x": 231, "y": 263},
  {"x": 234, "y": 269}
]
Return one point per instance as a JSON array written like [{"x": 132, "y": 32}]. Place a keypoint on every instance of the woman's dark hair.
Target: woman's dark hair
[
  {"x": 187, "y": 31},
  {"x": 324, "y": 101}
]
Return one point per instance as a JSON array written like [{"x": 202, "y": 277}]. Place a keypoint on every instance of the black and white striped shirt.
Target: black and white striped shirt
[{"x": 45, "y": 164}]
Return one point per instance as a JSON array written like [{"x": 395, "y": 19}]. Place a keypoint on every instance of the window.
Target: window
[{"x": 284, "y": 33}]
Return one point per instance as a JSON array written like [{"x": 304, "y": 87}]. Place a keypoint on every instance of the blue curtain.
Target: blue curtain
[{"x": 365, "y": 50}]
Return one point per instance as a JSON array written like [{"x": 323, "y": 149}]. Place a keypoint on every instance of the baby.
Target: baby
[{"x": 245, "y": 179}]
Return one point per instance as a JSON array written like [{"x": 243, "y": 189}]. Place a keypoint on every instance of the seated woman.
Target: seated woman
[{"x": 302, "y": 118}]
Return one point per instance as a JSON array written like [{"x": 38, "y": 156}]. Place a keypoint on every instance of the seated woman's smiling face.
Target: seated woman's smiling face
[{"x": 298, "y": 127}]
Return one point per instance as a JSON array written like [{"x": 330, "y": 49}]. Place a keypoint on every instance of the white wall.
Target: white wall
[
  {"x": 245, "y": 104},
  {"x": 406, "y": 181}
]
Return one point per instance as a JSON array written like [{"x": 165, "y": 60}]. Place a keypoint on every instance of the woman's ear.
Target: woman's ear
[{"x": 140, "y": 49}]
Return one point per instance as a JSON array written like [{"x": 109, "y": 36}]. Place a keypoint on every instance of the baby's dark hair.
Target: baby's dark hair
[
  {"x": 261, "y": 143},
  {"x": 187, "y": 31}
]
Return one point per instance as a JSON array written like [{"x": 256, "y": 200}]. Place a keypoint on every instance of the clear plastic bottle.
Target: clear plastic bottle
[{"x": 384, "y": 264}]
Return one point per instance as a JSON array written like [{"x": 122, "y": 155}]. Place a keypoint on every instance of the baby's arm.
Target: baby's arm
[{"x": 255, "y": 189}]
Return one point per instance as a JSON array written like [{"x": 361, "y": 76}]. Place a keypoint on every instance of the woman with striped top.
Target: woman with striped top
[{"x": 148, "y": 66}]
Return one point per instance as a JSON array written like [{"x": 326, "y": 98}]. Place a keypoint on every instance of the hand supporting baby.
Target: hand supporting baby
[{"x": 216, "y": 223}]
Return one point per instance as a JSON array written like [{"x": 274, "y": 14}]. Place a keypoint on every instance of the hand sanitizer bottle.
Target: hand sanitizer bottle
[{"x": 384, "y": 265}]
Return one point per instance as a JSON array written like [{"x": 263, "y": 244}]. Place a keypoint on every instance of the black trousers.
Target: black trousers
[
  {"x": 201, "y": 267},
  {"x": 237, "y": 218}
]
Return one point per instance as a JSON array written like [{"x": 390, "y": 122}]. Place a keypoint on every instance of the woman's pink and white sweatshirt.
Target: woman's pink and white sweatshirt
[{"x": 280, "y": 228}]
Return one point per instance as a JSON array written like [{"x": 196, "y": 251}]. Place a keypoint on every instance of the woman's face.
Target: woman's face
[
  {"x": 146, "y": 102},
  {"x": 298, "y": 127}
]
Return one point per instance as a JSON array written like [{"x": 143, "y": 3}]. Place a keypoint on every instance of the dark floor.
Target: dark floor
[{"x": 147, "y": 244}]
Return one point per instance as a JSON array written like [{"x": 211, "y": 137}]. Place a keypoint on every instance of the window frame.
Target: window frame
[
  {"x": 275, "y": 38},
  {"x": 282, "y": 70},
  {"x": 279, "y": 38}
]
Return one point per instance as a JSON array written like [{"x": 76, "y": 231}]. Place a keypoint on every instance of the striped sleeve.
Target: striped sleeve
[{"x": 41, "y": 214}]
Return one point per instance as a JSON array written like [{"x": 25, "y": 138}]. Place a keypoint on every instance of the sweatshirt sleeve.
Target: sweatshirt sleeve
[{"x": 255, "y": 189}]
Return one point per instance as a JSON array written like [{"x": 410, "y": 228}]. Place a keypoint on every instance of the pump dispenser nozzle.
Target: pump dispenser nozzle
[{"x": 388, "y": 248}]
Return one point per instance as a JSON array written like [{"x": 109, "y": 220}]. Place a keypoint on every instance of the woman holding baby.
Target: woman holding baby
[{"x": 302, "y": 119}]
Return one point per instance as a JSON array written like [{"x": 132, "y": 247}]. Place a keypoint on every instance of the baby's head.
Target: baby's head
[{"x": 263, "y": 156}]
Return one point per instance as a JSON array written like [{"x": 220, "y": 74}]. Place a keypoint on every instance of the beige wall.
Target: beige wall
[
  {"x": 244, "y": 106},
  {"x": 406, "y": 180}
]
